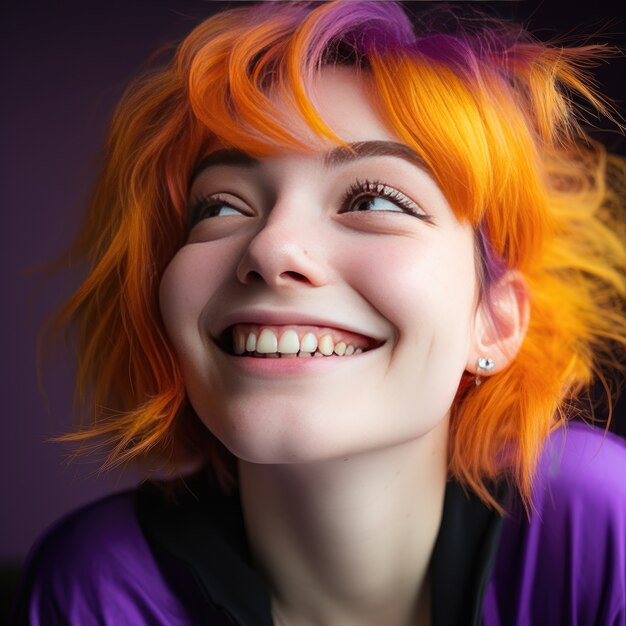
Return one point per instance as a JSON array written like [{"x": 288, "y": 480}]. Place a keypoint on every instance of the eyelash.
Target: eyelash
[
  {"x": 358, "y": 190},
  {"x": 204, "y": 203},
  {"x": 376, "y": 189}
]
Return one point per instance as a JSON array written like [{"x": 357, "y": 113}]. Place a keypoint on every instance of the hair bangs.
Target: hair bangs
[{"x": 246, "y": 85}]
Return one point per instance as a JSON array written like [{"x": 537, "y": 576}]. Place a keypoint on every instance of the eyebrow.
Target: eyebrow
[
  {"x": 230, "y": 156},
  {"x": 365, "y": 149},
  {"x": 336, "y": 156}
]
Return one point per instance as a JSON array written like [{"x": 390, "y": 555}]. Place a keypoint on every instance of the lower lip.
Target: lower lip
[{"x": 285, "y": 366}]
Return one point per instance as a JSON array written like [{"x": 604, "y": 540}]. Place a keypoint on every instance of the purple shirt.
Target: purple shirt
[{"x": 567, "y": 565}]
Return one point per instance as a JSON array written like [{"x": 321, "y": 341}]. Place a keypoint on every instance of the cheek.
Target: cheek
[
  {"x": 427, "y": 290},
  {"x": 418, "y": 285},
  {"x": 190, "y": 282},
  {"x": 177, "y": 300}
]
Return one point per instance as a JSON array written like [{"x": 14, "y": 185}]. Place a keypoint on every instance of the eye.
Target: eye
[
  {"x": 215, "y": 205},
  {"x": 374, "y": 196},
  {"x": 374, "y": 203}
]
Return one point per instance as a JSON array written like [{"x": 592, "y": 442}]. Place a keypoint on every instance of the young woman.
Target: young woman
[{"x": 349, "y": 278}]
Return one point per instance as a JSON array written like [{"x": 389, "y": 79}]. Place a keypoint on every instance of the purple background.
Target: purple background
[{"x": 64, "y": 65}]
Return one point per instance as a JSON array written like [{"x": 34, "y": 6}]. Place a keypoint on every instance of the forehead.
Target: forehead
[
  {"x": 343, "y": 98},
  {"x": 346, "y": 102}
]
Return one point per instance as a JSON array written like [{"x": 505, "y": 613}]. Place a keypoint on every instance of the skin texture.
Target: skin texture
[
  {"x": 388, "y": 275},
  {"x": 342, "y": 460}
]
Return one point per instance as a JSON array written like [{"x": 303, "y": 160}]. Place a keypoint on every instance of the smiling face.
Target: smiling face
[{"x": 352, "y": 266}]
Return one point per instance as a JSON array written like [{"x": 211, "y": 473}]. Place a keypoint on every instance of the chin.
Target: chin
[{"x": 276, "y": 446}]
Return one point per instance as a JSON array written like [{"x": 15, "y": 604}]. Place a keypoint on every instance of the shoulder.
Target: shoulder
[
  {"x": 566, "y": 563},
  {"x": 104, "y": 527},
  {"x": 94, "y": 566},
  {"x": 581, "y": 463}
]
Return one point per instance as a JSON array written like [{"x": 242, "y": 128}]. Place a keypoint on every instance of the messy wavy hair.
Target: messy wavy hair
[{"x": 492, "y": 113}]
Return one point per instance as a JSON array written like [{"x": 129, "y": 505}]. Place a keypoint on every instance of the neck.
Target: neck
[{"x": 349, "y": 541}]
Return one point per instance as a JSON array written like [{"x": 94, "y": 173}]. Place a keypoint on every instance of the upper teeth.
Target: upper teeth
[{"x": 267, "y": 342}]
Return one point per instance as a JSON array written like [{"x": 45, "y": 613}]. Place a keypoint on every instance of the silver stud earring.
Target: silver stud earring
[{"x": 483, "y": 364}]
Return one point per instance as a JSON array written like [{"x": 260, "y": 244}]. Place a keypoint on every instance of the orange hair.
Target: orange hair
[{"x": 489, "y": 110}]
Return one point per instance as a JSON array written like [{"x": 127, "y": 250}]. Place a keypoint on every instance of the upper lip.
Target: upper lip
[{"x": 280, "y": 318}]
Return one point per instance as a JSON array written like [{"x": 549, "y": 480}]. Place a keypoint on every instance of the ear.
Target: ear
[{"x": 500, "y": 324}]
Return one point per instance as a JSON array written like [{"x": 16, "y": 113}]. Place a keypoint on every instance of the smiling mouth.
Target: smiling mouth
[{"x": 253, "y": 340}]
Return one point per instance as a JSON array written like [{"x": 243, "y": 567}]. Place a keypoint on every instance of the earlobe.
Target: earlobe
[{"x": 500, "y": 325}]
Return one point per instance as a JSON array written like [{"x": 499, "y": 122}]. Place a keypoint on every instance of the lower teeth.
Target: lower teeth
[{"x": 276, "y": 355}]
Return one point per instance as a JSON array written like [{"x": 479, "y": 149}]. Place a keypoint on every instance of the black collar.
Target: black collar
[
  {"x": 204, "y": 529},
  {"x": 464, "y": 555}
]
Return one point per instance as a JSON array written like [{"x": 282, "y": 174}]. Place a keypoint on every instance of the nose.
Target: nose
[{"x": 285, "y": 253}]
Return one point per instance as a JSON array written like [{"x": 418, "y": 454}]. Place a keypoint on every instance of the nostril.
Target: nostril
[
  {"x": 301, "y": 278},
  {"x": 254, "y": 276}
]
